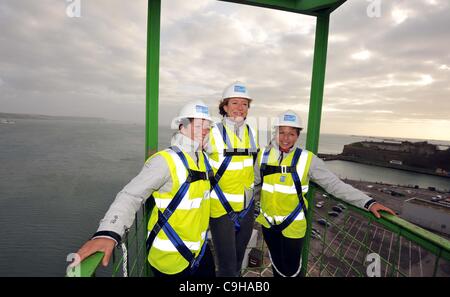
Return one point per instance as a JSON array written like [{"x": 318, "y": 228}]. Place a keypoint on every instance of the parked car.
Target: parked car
[
  {"x": 342, "y": 206},
  {"x": 315, "y": 235},
  {"x": 333, "y": 213},
  {"x": 320, "y": 204},
  {"x": 323, "y": 222},
  {"x": 337, "y": 209}
]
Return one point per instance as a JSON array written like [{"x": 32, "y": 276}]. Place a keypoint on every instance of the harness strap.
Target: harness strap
[{"x": 269, "y": 169}]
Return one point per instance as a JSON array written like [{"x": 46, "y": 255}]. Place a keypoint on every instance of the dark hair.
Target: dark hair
[
  {"x": 224, "y": 102},
  {"x": 185, "y": 122},
  {"x": 296, "y": 130}
]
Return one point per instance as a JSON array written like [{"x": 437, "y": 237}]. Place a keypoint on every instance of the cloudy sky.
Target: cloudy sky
[{"x": 387, "y": 75}]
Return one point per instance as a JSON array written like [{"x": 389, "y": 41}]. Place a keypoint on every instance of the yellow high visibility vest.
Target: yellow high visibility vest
[
  {"x": 239, "y": 174},
  {"x": 279, "y": 195},
  {"x": 190, "y": 220}
]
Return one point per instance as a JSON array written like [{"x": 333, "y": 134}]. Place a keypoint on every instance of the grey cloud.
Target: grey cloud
[{"x": 95, "y": 65}]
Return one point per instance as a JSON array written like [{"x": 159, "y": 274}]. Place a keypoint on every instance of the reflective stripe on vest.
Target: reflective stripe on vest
[
  {"x": 279, "y": 219},
  {"x": 282, "y": 188},
  {"x": 167, "y": 245}
]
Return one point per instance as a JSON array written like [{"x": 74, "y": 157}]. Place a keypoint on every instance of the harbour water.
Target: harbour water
[{"x": 58, "y": 177}]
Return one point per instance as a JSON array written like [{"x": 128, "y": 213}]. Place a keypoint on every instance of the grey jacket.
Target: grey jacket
[
  {"x": 154, "y": 176},
  {"x": 320, "y": 174}
]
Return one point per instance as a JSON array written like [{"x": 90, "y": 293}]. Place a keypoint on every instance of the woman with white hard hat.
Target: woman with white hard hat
[
  {"x": 284, "y": 173},
  {"x": 178, "y": 180},
  {"x": 232, "y": 152}
]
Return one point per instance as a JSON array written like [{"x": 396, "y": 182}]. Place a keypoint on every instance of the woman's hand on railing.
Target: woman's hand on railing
[
  {"x": 376, "y": 207},
  {"x": 92, "y": 246}
]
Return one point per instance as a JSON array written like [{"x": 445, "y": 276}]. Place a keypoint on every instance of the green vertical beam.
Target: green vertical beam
[
  {"x": 315, "y": 112},
  {"x": 152, "y": 96},
  {"x": 317, "y": 82},
  {"x": 152, "y": 81}
]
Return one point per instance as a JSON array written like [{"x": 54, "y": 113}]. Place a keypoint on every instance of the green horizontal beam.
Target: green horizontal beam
[
  {"x": 309, "y": 7},
  {"x": 87, "y": 267},
  {"x": 315, "y": 5}
]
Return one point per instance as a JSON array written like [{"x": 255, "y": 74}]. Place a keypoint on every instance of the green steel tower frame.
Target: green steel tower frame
[{"x": 321, "y": 9}]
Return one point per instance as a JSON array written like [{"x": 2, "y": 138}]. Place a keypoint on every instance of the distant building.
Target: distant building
[
  {"x": 427, "y": 214},
  {"x": 422, "y": 156}
]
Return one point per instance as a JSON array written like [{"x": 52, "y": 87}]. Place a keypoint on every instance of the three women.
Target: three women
[{"x": 207, "y": 178}]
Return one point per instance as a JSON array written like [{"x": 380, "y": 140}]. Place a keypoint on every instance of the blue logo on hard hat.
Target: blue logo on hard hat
[
  {"x": 289, "y": 118},
  {"x": 239, "y": 89},
  {"x": 201, "y": 109}
]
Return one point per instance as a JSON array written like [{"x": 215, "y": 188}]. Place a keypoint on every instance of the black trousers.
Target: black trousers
[
  {"x": 205, "y": 269},
  {"x": 230, "y": 246},
  {"x": 284, "y": 252}
]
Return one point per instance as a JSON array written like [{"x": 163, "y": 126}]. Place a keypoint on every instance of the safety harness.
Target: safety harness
[
  {"x": 229, "y": 152},
  {"x": 270, "y": 169},
  {"x": 163, "y": 218}
]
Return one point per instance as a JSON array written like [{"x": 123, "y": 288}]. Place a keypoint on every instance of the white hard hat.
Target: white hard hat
[
  {"x": 288, "y": 118},
  {"x": 236, "y": 90},
  {"x": 194, "y": 109}
]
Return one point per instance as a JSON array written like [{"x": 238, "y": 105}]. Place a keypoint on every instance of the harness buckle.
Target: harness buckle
[
  {"x": 283, "y": 169},
  {"x": 234, "y": 216},
  {"x": 190, "y": 177}
]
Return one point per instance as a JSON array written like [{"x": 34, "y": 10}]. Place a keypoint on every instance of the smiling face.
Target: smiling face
[
  {"x": 286, "y": 137},
  {"x": 199, "y": 130},
  {"x": 237, "y": 109}
]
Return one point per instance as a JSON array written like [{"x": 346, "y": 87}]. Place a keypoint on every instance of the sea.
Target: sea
[{"x": 58, "y": 177}]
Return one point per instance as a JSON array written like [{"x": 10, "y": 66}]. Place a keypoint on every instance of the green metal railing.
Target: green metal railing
[
  {"x": 135, "y": 261},
  {"x": 342, "y": 248},
  {"x": 404, "y": 249}
]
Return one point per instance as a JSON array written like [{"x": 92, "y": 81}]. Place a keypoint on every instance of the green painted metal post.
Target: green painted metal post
[
  {"x": 152, "y": 96},
  {"x": 315, "y": 112},
  {"x": 152, "y": 81}
]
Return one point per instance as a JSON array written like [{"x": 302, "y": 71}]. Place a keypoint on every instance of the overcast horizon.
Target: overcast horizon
[{"x": 387, "y": 75}]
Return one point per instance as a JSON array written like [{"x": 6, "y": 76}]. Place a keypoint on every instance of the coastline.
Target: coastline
[{"x": 332, "y": 157}]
